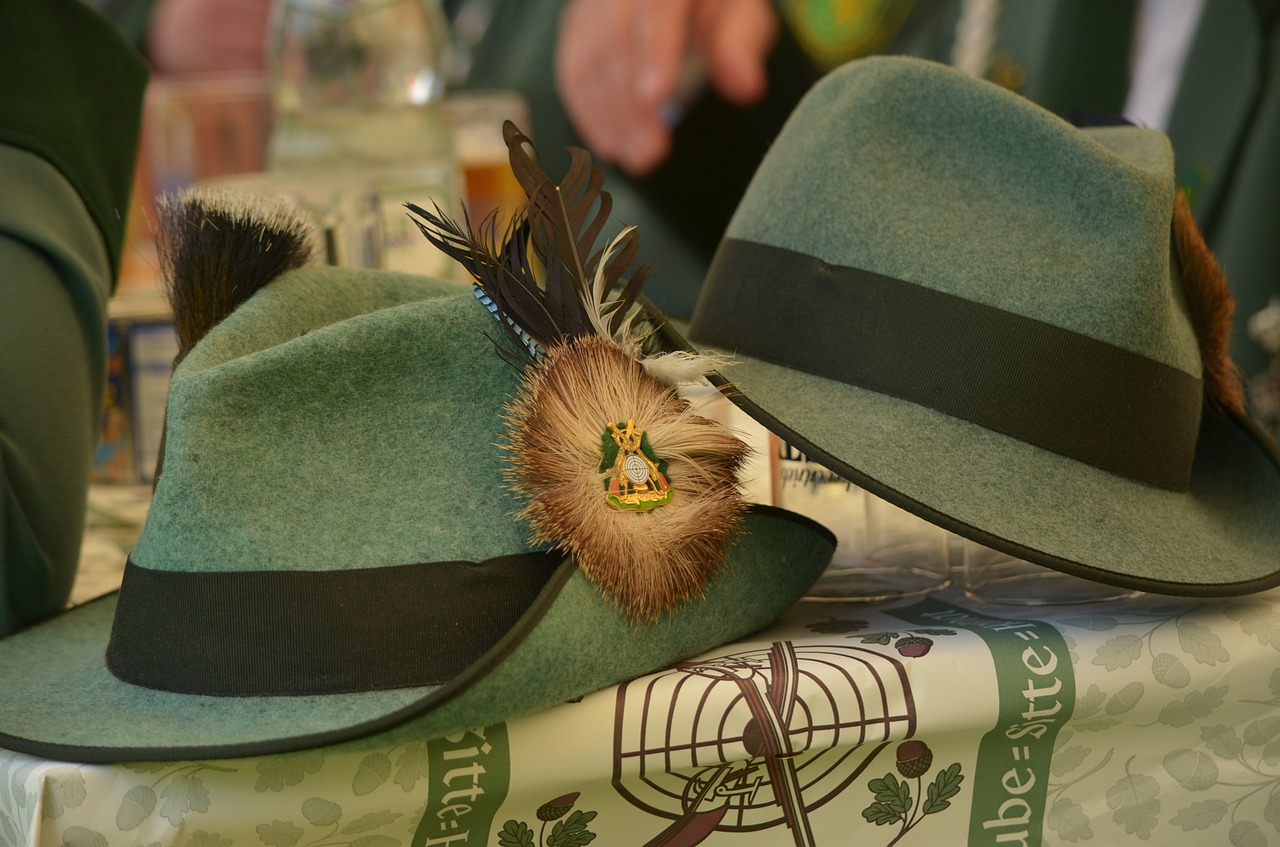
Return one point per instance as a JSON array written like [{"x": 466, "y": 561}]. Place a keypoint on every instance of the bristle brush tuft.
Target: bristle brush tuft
[{"x": 218, "y": 247}]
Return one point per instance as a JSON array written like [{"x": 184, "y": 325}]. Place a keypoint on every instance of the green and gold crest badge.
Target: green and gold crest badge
[
  {"x": 637, "y": 478},
  {"x": 614, "y": 467}
]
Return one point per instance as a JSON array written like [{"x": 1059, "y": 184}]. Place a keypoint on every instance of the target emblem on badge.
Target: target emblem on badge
[{"x": 637, "y": 470}]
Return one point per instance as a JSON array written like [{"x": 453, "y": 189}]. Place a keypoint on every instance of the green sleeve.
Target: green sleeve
[
  {"x": 73, "y": 96},
  {"x": 67, "y": 173}
]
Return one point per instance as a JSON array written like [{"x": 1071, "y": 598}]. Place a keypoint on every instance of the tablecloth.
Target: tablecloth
[{"x": 934, "y": 722}]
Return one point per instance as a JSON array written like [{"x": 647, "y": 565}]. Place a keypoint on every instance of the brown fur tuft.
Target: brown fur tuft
[
  {"x": 1212, "y": 307},
  {"x": 648, "y": 561},
  {"x": 218, "y": 247}
]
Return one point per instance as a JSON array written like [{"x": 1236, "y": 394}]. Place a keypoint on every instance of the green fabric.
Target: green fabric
[
  {"x": 1047, "y": 46},
  {"x": 916, "y": 171},
  {"x": 52, "y": 366},
  {"x": 61, "y": 52},
  {"x": 68, "y": 130},
  {"x": 132, "y": 16},
  {"x": 1220, "y": 538},
  {"x": 347, "y": 419},
  {"x": 1074, "y": 54},
  {"x": 1060, "y": 55},
  {"x": 379, "y": 410}
]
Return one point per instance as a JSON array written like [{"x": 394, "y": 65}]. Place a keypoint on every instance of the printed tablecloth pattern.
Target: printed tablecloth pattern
[{"x": 933, "y": 723}]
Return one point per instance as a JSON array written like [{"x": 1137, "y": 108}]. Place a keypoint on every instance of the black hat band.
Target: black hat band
[
  {"x": 281, "y": 633},
  {"x": 1048, "y": 386}
]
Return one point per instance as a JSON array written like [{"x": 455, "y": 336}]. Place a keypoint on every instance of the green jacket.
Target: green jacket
[{"x": 69, "y": 123}]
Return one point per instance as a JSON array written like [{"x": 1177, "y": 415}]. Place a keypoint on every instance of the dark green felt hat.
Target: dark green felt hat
[
  {"x": 974, "y": 310},
  {"x": 331, "y": 551}
]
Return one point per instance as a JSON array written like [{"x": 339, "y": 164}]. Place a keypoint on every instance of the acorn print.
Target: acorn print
[
  {"x": 913, "y": 647},
  {"x": 914, "y": 758}
]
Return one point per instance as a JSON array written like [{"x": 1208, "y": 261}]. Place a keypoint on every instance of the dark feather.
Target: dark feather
[
  {"x": 539, "y": 279},
  {"x": 217, "y": 248},
  {"x": 503, "y": 278}
]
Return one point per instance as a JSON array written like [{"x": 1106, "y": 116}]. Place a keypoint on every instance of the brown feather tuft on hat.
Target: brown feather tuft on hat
[
  {"x": 1212, "y": 307},
  {"x": 588, "y": 394},
  {"x": 615, "y": 468}
]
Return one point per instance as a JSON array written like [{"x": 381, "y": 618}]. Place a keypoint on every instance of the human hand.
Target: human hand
[
  {"x": 619, "y": 65},
  {"x": 203, "y": 36}
]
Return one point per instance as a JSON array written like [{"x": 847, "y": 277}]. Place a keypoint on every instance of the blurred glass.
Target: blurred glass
[
  {"x": 357, "y": 87},
  {"x": 477, "y": 118},
  {"x": 992, "y": 576},
  {"x": 882, "y": 552},
  {"x": 195, "y": 128}
]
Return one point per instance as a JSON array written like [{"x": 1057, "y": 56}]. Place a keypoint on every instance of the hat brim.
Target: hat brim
[
  {"x": 1218, "y": 538},
  {"x": 58, "y": 700}
]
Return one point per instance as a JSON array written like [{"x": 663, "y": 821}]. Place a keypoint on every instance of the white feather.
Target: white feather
[
  {"x": 683, "y": 368},
  {"x": 671, "y": 369},
  {"x": 600, "y": 312}
]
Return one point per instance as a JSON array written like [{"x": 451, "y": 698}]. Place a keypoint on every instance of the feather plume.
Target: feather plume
[
  {"x": 1211, "y": 306},
  {"x": 218, "y": 247},
  {"x": 680, "y": 367},
  {"x": 504, "y": 279},
  {"x": 613, "y": 467},
  {"x": 542, "y": 276},
  {"x": 650, "y": 561}
]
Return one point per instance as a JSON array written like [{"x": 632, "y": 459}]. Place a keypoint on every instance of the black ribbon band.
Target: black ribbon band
[
  {"x": 1039, "y": 383},
  {"x": 268, "y": 633}
]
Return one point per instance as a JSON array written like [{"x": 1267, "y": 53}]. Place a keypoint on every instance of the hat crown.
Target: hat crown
[
  {"x": 327, "y": 425},
  {"x": 912, "y": 170}
]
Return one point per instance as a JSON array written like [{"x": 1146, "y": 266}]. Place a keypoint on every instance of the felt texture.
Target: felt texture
[
  {"x": 347, "y": 419},
  {"x": 352, "y": 444},
  {"x": 1221, "y": 537},
  {"x": 913, "y": 170}
]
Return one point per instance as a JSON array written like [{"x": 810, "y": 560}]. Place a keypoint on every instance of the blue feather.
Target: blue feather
[{"x": 535, "y": 350}]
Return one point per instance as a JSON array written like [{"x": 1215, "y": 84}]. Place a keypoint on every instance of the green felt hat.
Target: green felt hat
[
  {"x": 331, "y": 551},
  {"x": 973, "y": 309}
]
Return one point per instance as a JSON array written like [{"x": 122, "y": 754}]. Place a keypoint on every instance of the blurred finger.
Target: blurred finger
[
  {"x": 660, "y": 41},
  {"x": 586, "y": 37},
  {"x": 735, "y": 38},
  {"x": 605, "y": 60}
]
